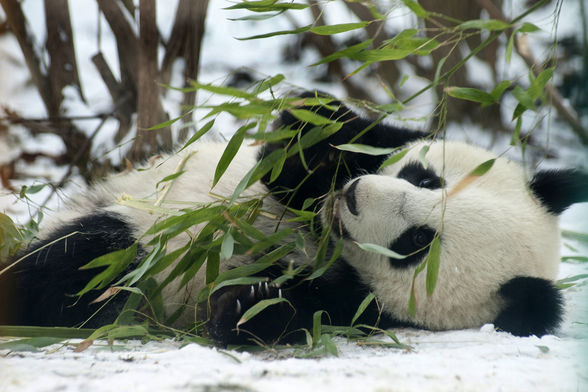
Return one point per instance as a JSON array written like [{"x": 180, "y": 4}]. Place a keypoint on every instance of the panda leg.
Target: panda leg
[
  {"x": 40, "y": 287},
  {"x": 338, "y": 293},
  {"x": 533, "y": 306}
]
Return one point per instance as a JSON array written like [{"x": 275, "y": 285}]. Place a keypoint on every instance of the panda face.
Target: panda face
[{"x": 491, "y": 230}]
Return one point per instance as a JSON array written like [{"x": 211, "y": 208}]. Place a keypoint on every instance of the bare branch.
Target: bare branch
[
  {"x": 149, "y": 110},
  {"x": 18, "y": 24},
  {"x": 185, "y": 41},
  {"x": 63, "y": 70}
]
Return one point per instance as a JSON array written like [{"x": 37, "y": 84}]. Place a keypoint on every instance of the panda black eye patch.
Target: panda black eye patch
[
  {"x": 413, "y": 243},
  {"x": 418, "y": 175}
]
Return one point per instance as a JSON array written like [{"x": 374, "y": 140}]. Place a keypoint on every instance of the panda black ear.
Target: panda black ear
[{"x": 559, "y": 189}]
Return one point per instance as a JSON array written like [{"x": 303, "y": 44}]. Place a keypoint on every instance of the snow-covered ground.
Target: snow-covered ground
[{"x": 468, "y": 360}]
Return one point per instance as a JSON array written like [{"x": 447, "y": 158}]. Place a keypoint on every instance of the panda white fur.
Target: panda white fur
[{"x": 498, "y": 233}]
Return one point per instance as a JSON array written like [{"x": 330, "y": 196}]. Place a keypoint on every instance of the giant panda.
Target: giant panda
[{"x": 498, "y": 235}]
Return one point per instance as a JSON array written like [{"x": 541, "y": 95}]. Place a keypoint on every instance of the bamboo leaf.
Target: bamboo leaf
[
  {"x": 470, "y": 94},
  {"x": 115, "y": 263},
  {"x": 484, "y": 24},
  {"x": 212, "y": 265},
  {"x": 347, "y": 52},
  {"x": 337, "y": 28},
  {"x": 310, "y": 117},
  {"x": 433, "y": 261},
  {"x": 365, "y": 149},
  {"x": 259, "y": 307},
  {"x": 164, "y": 124},
  {"x": 416, "y": 8},
  {"x": 267, "y": 6},
  {"x": 277, "y": 33},
  {"x": 394, "y": 158},
  {"x": 497, "y": 92},
  {"x": 29, "y": 344},
  {"x": 230, "y": 151},
  {"x": 199, "y": 134},
  {"x": 478, "y": 171},
  {"x": 374, "y": 248},
  {"x": 362, "y": 307},
  {"x": 227, "y": 246},
  {"x": 528, "y": 28}
]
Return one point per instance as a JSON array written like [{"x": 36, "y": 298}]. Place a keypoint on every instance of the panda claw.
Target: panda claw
[
  {"x": 252, "y": 292},
  {"x": 238, "y": 307},
  {"x": 267, "y": 292},
  {"x": 279, "y": 293}
]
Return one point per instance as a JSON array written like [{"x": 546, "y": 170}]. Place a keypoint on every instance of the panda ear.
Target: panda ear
[{"x": 559, "y": 189}]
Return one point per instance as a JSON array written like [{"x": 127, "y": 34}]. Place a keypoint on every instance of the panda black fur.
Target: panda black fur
[{"x": 499, "y": 238}]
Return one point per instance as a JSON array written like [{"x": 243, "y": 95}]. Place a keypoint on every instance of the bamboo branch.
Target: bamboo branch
[{"x": 566, "y": 113}]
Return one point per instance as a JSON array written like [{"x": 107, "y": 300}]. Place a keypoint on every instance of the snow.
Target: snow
[{"x": 467, "y": 360}]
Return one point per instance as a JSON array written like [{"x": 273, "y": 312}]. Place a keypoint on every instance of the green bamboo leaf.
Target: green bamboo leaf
[
  {"x": 242, "y": 281},
  {"x": 55, "y": 332},
  {"x": 198, "y": 134},
  {"x": 310, "y": 117},
  {"x": 528, "y": 28},
  {"x": 227, "y": 246},
  {"x": 482, "y": 168},
  {"x": 497, "y": 92},
  {"x": 29, "y": 344},
  {"x": 334, "y": 257},
  {"x": 267, "y": 6},
  {"x": 484, "y": 24},
  {"x": 394, "y": 158},
  {"x": 329, "y": 345},
  {"x": 170, "y": 177},
  {"x": 317, "y": 326},
  {"x": 538, "y": 84},
  {"x": 257, "y": 308},
  {"x": 268, "y": 83},
  {"x": 277, "y": 33},
  {"x": 127, "y": 331},
  {"x": 212, "y": 265},
  {"x": 337, "y": 28},
  {"x": 115, "y": 263},
  {"x": 347, "y": 52},
  {"x": 390, "y": 107},
  {"x": 523, "y": 98},
  {"x": 362, "y": 307},
  {"x": 164, "y": 124},
  {"x": 365, "y": 149},
  {"x": 422, "y": 156},
  {"x": 374, "y": 248},
  {"x": 416, "y": 8},
  {"x": 510, "y": 46},
  {"x": 222, "y": 90},
  {"x": 10, "y": 238},
  {"x": 277, "y": 169},
  {"x": 230, "y": 151},
  {"x": 470, "y": 94},
  {"x": 433, "y": 261}
]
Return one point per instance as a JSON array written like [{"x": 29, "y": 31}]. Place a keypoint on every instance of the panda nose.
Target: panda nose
[{"x": 350, "y": 198}]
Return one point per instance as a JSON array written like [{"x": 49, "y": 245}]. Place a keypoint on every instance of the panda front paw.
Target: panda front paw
[{"x": 227, "y": 307}]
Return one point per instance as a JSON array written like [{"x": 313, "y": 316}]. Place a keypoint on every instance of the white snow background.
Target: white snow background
[{"x": 467, "y": 360}]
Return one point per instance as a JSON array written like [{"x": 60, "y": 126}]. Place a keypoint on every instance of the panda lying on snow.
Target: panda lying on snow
[{"x": 499, "y": 238}]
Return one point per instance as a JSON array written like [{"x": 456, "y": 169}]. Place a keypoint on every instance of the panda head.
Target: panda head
[{"x": 493, "y": 229}]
